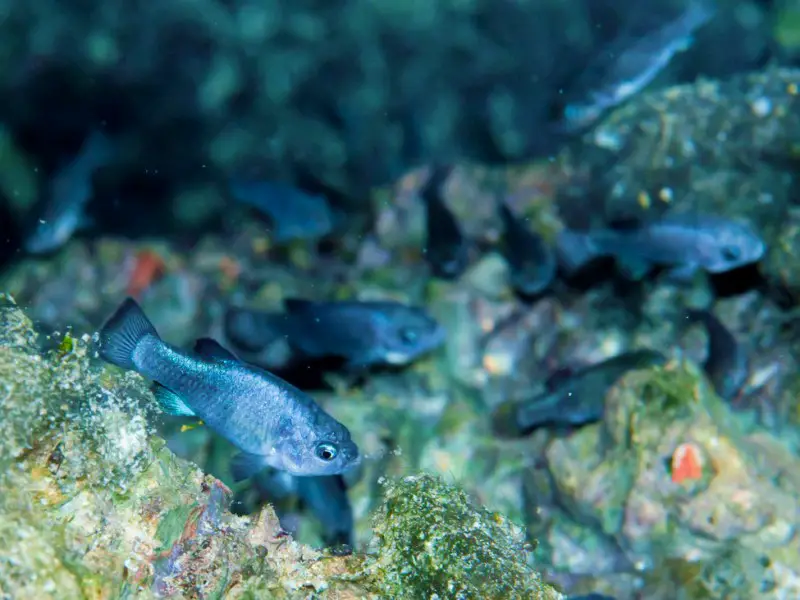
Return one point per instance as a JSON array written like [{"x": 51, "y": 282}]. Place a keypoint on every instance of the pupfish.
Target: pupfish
[
  {"x": 570, "y": 399},
  {"x": 365, "y": 333},
  {"x": 270, "y": 421}
]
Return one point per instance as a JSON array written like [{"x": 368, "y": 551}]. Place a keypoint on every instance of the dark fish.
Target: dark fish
[
  {"x": 363, "y": 333},
  {"x": 570, "y": 399},
  {"x": 445, "y": 246},
  {"x": 531, "y": 261},
  {"x": 726, "y": 364},
  {"x": 294, "y": 214},
  {"x": 684, "y": 242},
  {"x": 271, "y": 422},
  {"x": 592, "y": 596},
  {"x": 61, "y": 211},
  {"x": 326, "y": 498},
  {"x": 630, "y": 64}
]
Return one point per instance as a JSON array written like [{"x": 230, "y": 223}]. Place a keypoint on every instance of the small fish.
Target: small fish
[
  {"x": 726, "y": 363},
  {"x": 570, "y": 399},
  {"x": 271, "y": 422},
  {"x": 363, "y": 333},
  {"x": 61, "y": 210},
  {"x": 531, "y": 260},
  {"x": 445, "y": 246},
  {"x": 326, "y": 498},
  {"x": 294, "y": 214},
  {"x": 592, "y": 596},
  {"x": 684, "y": 242},
  {"x": 630, "y": 64}
]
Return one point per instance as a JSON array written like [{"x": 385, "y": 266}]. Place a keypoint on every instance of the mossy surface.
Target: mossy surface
[{"x": 433, "y": 540}]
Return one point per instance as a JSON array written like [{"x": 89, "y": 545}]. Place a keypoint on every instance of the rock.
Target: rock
[
  {"x": 465, "y": 551},
  {"x": 617, "y": 475}
]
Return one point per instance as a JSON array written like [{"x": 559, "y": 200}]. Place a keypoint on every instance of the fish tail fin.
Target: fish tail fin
[
  {"x": 122, "y": 333},
  {"x": 575, "y": 250},
  {"x": 252, "y": 330}
]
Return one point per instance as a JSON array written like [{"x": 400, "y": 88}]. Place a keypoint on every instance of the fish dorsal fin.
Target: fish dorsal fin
[
  {"x": 294, "y": 305},
  {"x": 208, "y": 348},
  {"x": 558, "y": 377}
]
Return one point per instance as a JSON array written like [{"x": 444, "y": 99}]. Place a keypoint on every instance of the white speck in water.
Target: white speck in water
[
  {"x": 761, "y": 107},
  {"x": 608, "y": 140}
]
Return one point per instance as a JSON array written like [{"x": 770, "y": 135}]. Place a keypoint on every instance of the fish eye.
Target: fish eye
[
  {"x": 731, "y": 253},
  {"x": 408, "y": 335},
  {"x": 326, "y": 451}
]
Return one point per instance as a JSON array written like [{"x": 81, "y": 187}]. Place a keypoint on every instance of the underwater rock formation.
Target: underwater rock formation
[
  {"x": 737, "y": 504},
  {"x": 95, "y": 505}
]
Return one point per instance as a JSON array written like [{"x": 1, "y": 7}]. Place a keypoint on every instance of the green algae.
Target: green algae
[{"x": 433, "y": 540}]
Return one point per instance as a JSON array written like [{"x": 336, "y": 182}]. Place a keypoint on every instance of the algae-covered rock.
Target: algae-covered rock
[
  {"x": 624, "y": 476},
  {"x": 94, "y": 505},
  {"x": 433, "y": 542}
]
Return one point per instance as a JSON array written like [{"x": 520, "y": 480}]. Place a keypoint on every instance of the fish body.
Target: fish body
[
  {"x": 363, "y": 333},
  {"x": 631, "y": 63},
  {"x": 294, "y": 213},
  {"x": 571, "y": 400},
  {"x": 445, "y": 245},
  {"x": 531, "y": 261},
  {"x": 61, "y": 211},
  {"x": 270, "y": 421},
  {"x": 684, "y": 242},
  {"x": 726, "y": 364}
]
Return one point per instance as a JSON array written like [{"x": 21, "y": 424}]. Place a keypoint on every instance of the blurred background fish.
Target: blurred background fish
[
  {"x": 726, "y": 359},
  {"x": 630, "y": 63},
  {"x": 61, "y": 211},
  {"x": 445, "y": 246},
  {"x": 685, "y": 243},
  {"x": 531, "y": 260},
  {"x": 365, "y": 333},
  {"x": 570, "y": 399}
]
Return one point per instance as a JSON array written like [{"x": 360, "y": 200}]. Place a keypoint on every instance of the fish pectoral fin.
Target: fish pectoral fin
[
  {"x": 682, "y": 273},
  {"x": 244, "y": 465},
  {"x": 171, "y": 403},
  {"x": 633, "y": 268},
  {"x": 212, "y": 349}
]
